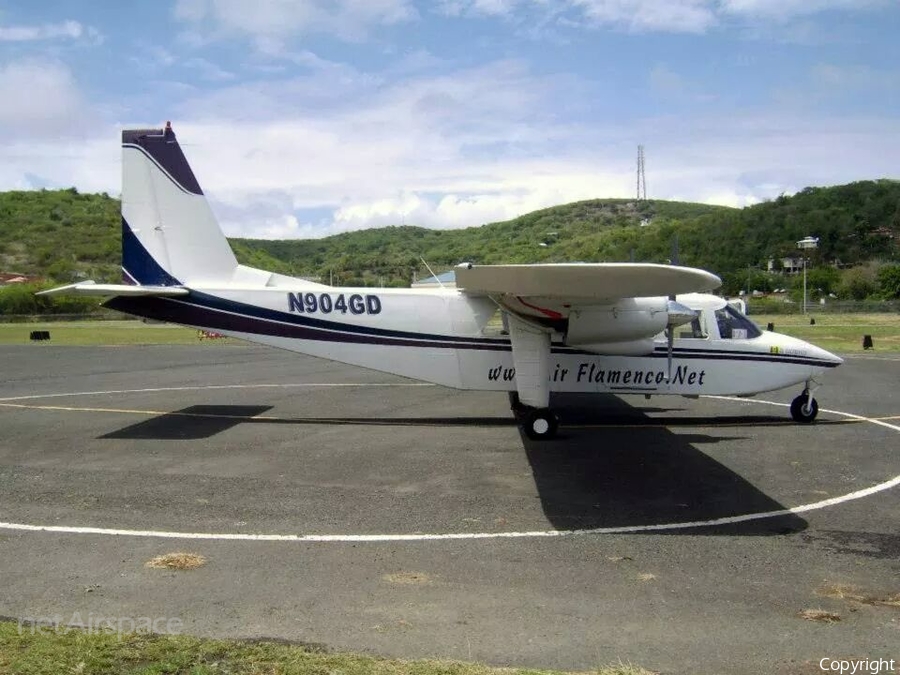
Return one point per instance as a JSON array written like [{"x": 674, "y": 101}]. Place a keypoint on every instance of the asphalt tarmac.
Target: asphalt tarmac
[{"x": 365, "y": 512}]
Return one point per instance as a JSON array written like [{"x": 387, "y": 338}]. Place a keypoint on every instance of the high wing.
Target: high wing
[
  {"x": 605, "y": 308},
  {"x": 596, "y": 282},
  {"x": 91, "y": 288}
]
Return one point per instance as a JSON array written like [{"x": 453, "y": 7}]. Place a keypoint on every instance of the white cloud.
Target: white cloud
[
  {"x": 674, "y": 16},
  {"x": 46, "y": 98},
  {"x": 689, "y": 16},
  {"x": 335, "y": 149},
  {"x": 47, "y": 31},
  {"x": 477, "y": 7},
  {"x": 838, "y": 79},
  {"x": 52, "y": 136},
  {"x": 784, "y": 9},
  {"x": 274, "y": 20},
  {"x": 90, "y": 164},
  {"x": 735, "y": 162}
]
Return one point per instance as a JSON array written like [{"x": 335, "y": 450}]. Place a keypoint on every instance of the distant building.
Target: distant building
[{"x": 788, "y": 265}]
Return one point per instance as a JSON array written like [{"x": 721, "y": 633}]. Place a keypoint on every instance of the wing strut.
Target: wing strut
[{"x": 531, "y": 358}]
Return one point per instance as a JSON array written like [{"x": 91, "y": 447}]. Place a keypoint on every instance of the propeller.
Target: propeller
[
  {"x": 678, "y": 315},
  {"x": 670, "y": 340}
]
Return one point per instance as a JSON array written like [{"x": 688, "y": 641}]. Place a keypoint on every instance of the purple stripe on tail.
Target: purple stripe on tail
[
  {"x": 138, "y": 264},
  {"x": 162, "y": 146}
]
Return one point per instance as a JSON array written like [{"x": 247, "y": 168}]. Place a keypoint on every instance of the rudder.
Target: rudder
[{"x": 169, "y": 233}]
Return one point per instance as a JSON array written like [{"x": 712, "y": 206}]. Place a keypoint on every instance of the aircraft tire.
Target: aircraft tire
[
  {"x": 514, "y": 404},
  {"x": 798, "y": 412},
  {"x": 540, "y": 424}
]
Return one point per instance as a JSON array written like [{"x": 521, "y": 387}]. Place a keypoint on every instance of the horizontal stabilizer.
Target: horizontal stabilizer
[
  {"x": 594, "y": 281},
  {"x": 110, "y": 290}
]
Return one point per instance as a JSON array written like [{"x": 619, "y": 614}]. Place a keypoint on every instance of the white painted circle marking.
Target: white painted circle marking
[
  {"x": 381, "y": 538},
  {"x": 150, "y": 390},
  {"x": 540, "y": 426}
]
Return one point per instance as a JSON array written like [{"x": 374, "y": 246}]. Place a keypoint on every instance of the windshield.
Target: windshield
[{"x": 735, "y": 326}]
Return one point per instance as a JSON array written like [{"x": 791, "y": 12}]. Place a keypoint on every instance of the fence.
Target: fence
[
  {"x": 48, "y": 318},
  {"x": 769, "y": 306}
]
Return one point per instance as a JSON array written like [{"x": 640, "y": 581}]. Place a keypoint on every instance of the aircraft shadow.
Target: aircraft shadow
[
  {"x": 612, "y": 465},
  {"x": 205, "y": 421},
  {"x": 633, "y": 470},
  {"x": 193, "y": 423}
]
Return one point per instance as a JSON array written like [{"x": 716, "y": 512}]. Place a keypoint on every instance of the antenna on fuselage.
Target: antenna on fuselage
[{"x": 431, "y": 272}]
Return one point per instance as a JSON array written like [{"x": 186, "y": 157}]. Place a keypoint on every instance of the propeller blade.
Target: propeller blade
[
  {"x": 671, "y": 347},
  {"x": 678, "y": 315}
]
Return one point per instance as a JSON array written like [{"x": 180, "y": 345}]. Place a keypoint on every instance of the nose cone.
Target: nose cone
[
  {"x": 829, "y": 360},
  {"x": 818, "y": 358},
  {"x": 833, "y": 359}
]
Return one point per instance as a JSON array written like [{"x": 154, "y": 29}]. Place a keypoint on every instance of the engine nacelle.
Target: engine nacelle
[
  {"x": 643, "y": 347},
  {"x": 626, "y": 320}
]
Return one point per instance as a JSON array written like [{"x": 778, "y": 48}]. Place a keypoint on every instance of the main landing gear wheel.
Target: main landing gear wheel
[
  {"x": 804, "y": 409},
  {"x": 540, "y": 424},
  {"x": 515, "y": 405}
]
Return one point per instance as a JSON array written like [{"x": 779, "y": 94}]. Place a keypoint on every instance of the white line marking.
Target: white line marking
[
  {"x": 381, "y": 538},
  {"x": 219, "y": 386}
]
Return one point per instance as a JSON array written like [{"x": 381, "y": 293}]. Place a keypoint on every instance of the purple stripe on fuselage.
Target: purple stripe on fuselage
[
  {"x": 255, "y": 311},
  {"x": 190, "y": 314}
]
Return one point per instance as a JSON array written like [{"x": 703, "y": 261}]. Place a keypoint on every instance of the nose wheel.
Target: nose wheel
[{"x": 804, "y": 408}]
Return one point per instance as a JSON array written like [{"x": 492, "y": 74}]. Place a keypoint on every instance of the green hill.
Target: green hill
[{"x": 65, "y": 235}]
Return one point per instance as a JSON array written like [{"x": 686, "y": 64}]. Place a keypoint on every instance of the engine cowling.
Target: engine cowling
[
  {"x": 643, "y": 347},
  {"x": 627, "y": 320}
]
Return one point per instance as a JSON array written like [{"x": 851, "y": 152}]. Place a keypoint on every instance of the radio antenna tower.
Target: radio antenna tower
[{"x": 641, "y": 175}]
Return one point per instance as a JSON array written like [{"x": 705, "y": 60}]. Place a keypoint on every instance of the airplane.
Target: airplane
[{"x": 615, "y": 328}]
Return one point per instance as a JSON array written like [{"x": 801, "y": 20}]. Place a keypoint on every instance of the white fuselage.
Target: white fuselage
[{"x": 443, "y": 336}]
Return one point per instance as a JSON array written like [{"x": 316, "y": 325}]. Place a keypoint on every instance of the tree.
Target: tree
[
  {"x": 857, "y": 283},
  {"x": 889, "y": 281},
  {"x": 823, "y": 280}
]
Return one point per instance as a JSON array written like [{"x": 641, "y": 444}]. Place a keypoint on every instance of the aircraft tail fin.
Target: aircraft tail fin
[{"x": 170, "y": 236}]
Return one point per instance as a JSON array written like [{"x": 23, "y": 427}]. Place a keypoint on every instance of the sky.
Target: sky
[{"x": 304, "y": 118}]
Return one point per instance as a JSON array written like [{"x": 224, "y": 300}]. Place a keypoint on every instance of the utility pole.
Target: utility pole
[{"x": 804, "y": 245}]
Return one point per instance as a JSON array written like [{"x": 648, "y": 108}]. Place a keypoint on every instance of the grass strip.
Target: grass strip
[{"x": 34, "y": 650}]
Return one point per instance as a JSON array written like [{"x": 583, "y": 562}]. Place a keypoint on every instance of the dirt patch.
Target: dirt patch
[
  {"x": 852, "y": 593},
  {"x": 408, "y": 578},
  {"x": 177, "y": 561},
  {"x": 819, "y": 615}
]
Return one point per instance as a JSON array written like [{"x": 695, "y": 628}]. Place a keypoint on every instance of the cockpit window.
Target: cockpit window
[{"x": 735, "y": 326}]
